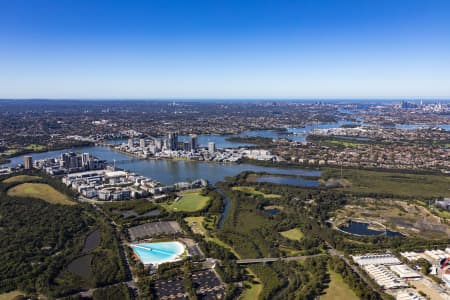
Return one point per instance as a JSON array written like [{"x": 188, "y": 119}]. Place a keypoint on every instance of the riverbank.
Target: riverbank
[{"x": 6, "y": 158}]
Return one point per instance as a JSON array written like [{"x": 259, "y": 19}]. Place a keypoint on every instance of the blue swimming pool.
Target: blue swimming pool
[{"x": 158, "y": 253}]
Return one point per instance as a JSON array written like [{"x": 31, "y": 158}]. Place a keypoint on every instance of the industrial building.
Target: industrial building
[
  {"x": 376, "y": 259},
  {"x": 409, "y": 295},
  {"x": 405, "y": 272},
  {"x": 385, "y": 277}
]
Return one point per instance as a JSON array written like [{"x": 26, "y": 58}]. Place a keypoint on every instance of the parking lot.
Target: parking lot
[
  {"x": 170, "y": 289},
  {"x": 153, "y": 229},
  {"x": 206, "y": 283}
]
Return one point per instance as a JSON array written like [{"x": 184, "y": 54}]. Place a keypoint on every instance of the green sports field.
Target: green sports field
[{"x": 188, "y": 202}]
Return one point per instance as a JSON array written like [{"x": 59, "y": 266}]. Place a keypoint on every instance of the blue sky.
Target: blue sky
[{"x": 224, "y": 49}]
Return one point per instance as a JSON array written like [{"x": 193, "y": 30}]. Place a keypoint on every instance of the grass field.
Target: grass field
[
  {"x": 196, "y": 225},
  {"x": 288, "y": 251},
  {"x": 253, "y": 292},
  {"x": 40, "y": 191},
  {"x": 409, "y": 185},
  {"x": 189, "y": 202},
  {"x": 21, "y": 178},
  {"x": 344, "y": 143},
  {"x": 255, "y": 287},
  {"x": 338, "y": 289},
  {"x": 251, "y": 190},
  {"x": 294, "y": 234},
  {"x": 10, "y": 295},
  {"x": 35, "y": 147}
]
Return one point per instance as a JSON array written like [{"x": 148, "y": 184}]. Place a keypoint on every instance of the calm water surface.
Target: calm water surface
[
  {"x": 170, "y": 171},
  {"x": 360, "y": 228},
  {"x": 295, "y": 181}
]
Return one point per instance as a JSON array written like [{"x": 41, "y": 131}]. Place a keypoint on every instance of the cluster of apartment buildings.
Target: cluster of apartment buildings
[
  {"x": 170, "y": 147},
  {"x": 69, "y": 162},
  {"x": 115, "y": 185}
]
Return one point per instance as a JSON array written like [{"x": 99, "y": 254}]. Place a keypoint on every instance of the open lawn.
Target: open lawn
[
  {"x": 251, "y": 190},
  {"x": 10, "y": 295},
  {"x": 255, "y": 287},
  {"x": 252, "y": 292},
  {"x": 189, "y": 202},
  {"x": 21, "y": 178},
  {"x": 338, "y": 289},
  {"x": 35, "y": 147},
  {"x": 288, "y": 251},
  {"x": 401, "y": 184},
  {"x": 294, "y": 234},
  {"x": 40, "y": 191},
  {"x": 196, "y": 225}
]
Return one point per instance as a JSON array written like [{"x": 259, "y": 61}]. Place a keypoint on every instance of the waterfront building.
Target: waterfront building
[
  {"x": 130, "y": 143},
  {"x": 142, "y": 143},
  {"x": 27, "y": 162},
  {"x": 173, "y": 141},
  {"x": 193, "y": 139},
  {"x": 158, "y": 145},
  {"x": 211, "y": 147},
  {"x": 186, "y": 146},
  {"x": 85, "y": 158}
]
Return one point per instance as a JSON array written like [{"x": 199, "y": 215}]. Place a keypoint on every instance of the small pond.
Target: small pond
[
  {"x": 295, "y": 181},
  {"x": 360, "y": 228},
  {"x": 272, "y": 211},
  {"x": 92, "y": 241},
  {"x": 81, "y": 266}
]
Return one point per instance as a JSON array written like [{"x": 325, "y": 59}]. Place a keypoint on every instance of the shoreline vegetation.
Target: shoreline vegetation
[{"x": 34, "y": 148}]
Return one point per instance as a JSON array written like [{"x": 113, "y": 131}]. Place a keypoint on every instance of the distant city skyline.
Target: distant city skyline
[{"x": 355, "y": 49}]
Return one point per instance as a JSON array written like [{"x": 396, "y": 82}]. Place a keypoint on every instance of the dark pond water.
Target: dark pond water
[
  {"x": 272, "y": 212},
  {"x": 226, "y": 210},
  {"x": 81, "y": 266},
  {"x": 92, "y": 241},
  {"x": 295, "y": 181},
  {"x": 360, "y": 228}
]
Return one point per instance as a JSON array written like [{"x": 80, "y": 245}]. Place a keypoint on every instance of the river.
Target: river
[{"x": 169, "y": 171}]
